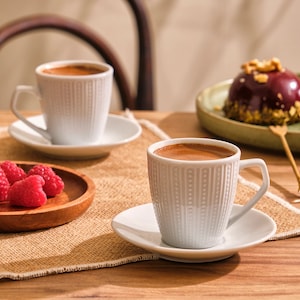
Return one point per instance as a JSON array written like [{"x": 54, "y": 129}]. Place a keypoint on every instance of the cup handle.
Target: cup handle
[
  {"x": 13, "y": 106},
  {"x": 248, "y": 163}
]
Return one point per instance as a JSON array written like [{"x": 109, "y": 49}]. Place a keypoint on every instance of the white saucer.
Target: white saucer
[
  {"x": 119, "y": 130},
  {"x": 138, "y": 226}
]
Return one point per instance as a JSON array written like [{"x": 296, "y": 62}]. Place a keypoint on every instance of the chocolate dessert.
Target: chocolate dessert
[{"x": 264, "y": 93}]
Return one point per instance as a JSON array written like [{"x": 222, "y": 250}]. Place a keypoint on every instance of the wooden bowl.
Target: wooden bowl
[{"x": 75, "y": 199}]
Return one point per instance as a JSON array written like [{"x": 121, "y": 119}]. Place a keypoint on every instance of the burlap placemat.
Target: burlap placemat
[{"x": 89, "y": 242}]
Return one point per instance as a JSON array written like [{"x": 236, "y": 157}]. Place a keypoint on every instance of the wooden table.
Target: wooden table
[{"x": 268, "y": 271}]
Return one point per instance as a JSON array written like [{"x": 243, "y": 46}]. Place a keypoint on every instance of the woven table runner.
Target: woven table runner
[{"x": 89, "y": 241}]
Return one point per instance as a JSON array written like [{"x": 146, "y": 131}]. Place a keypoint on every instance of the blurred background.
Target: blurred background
[{"x": 196, "y": 43}]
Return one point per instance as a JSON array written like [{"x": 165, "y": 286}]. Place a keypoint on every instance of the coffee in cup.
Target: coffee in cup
[
  {"x": 193, "y": 183},
  {"x": 75, "y": 98},
  {"x": 193, "y": 152},
  {"x": 73, "y": 70}
]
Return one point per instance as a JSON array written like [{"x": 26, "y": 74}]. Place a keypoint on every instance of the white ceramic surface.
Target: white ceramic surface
[
  {"x": 193, "y": 198},
  {"x": 118, "y": 131},
  {"x": 209, "y": 103},
  {"x": 138, "y": 226},
  {"x": 75, "y": 107}
]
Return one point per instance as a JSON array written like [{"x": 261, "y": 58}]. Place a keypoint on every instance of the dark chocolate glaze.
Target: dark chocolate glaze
[{"x": 280, "y": 91}]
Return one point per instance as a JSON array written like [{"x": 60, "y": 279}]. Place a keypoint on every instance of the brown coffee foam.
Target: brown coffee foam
[
  {"x": 73, "y": 70},
  {"x": 193, "y": 151}
]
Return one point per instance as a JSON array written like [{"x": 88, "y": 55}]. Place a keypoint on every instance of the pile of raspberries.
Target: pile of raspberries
[{"x": 30, "y": 189}]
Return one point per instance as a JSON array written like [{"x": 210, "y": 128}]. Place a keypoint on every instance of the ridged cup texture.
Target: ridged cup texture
[
  {"x": 76, "y": 108},
  {"x": 192, "y": 203}
]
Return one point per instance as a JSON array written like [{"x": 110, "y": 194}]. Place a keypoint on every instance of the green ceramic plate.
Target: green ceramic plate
[{"x": 211, "y": 117}]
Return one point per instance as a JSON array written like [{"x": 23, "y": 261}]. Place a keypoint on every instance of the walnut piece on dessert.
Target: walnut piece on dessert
[
  {"x": 264, "y": 66},
  {"x": 259, "y": 69},
  {"x": 261, "y": 78}
]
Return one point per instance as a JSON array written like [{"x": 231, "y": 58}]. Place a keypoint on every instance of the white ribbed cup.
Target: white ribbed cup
[
  {"x": 75, "y": 108},
  {"x": 193, "y": 200}
]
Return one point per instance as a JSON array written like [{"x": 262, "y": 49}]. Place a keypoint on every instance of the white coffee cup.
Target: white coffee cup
[
  {"x": 193, "y": 197},
  {"x": 75, "y": 97}
]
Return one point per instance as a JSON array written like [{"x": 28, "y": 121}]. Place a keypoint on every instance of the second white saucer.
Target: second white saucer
[
  {"x": 118, "y": 131},
  {"x": 138, "y": 226}
]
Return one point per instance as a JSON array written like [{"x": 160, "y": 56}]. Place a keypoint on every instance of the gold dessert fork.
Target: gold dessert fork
[{"x": 281, "y": 130}]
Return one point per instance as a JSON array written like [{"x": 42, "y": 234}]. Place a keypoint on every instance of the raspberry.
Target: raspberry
[
  {"x": 12, "y": 171},
  {"x": 4, "y": 186},
  {"x": 53, "y": 183},
  {"x": 28, "y": 192}
]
